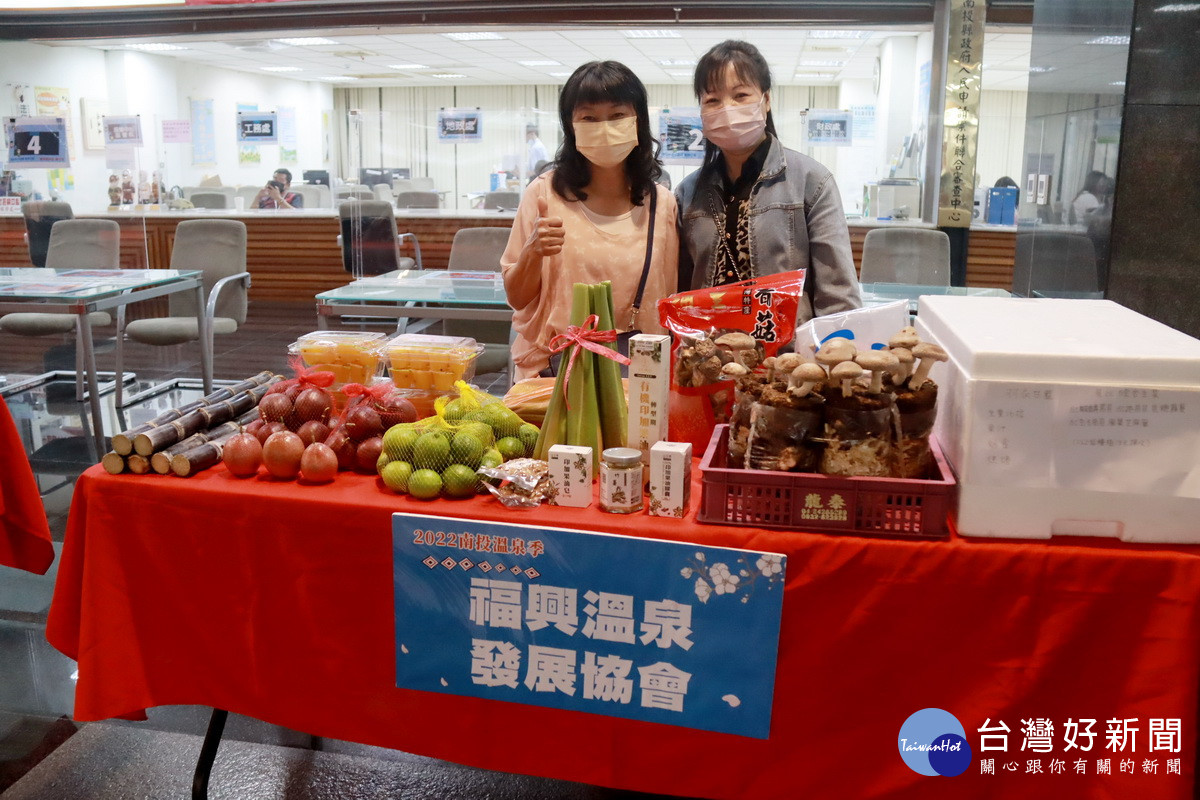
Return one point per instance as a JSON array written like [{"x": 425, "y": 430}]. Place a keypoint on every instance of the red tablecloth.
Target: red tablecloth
[
  {"x": 24, "y": 531},
  {"x": 275, "y": 600}
]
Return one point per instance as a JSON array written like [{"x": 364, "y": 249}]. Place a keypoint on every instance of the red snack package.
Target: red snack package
[
  {"x": 737, "y": 323},
  {"x": 300, "y": 399}
]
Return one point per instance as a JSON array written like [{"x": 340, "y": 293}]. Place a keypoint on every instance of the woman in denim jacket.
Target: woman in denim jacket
[{"x": 755, "y": 207}]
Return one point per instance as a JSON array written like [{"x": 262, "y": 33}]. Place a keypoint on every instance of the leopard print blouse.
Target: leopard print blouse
[{"x": 732, "y": 263}]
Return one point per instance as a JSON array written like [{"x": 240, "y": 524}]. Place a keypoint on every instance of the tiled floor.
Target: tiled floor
[{"x": 36, "y": 682}]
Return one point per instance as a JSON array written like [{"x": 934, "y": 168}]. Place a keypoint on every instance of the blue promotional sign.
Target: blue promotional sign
[
  {"x": 460, "y": 125},
  {"x": 36, "y": 142},
  {"x": 554, "y": 617},
  {"x": 257, "y": 127},
  {"x": 682, "y": 136}
]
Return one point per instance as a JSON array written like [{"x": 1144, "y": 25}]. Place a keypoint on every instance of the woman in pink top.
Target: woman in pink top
[{"x": 588, "y": 220}]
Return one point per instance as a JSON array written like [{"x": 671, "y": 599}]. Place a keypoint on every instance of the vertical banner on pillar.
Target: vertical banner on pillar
[{"x": 960, "y": 126}]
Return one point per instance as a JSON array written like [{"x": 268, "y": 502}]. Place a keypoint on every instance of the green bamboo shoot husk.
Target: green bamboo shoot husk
[
  {"x": 554, "y": 424},
  {"x": 583, "y": 421},
  {"x": 614, "y": 411}
]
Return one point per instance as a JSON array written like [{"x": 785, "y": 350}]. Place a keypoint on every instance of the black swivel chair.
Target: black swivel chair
[
  {"x": 370, "y": 240},
  {"x": 40, "y": 216}
]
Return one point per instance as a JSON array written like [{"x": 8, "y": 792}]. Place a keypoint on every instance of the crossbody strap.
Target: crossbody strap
[{"x": 637, "y": 300}]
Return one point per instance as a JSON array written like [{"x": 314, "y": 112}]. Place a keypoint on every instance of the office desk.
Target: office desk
[
  {"x": 82, "y": 291},
  {"x": 405, "y": 293},
  {"x": 275, "y": 600}
]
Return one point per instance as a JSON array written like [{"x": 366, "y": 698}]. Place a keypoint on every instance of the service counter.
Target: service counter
[{"x": 293, "y": 255}]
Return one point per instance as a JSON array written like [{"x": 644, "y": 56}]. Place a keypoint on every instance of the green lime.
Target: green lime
[
  {"x": 528, "y": 434},
  {"x": 504, "y": 421},
  {"x": 398, "y": 441},
  {"x": 382, "y": 462},
  {"x": 425, "y": 484},
  {"x": 491, "y": 458},
  {"x": 480, "y": 430},
  {"x": 396, "y": 475},
  {"x": 466, "y": 449},
  {"x": 454, "y": 410},
  {"x": 459, "y": 480},
  {"x": 479, "y": 415},
  {"x": 511, "y": 447},
  {"x": 431, "y": 451}
]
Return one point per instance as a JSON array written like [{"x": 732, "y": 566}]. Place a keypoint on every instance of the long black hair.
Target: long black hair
[
  {"x": 604, "y": 82},
  {"x": 749, "y": 66}
]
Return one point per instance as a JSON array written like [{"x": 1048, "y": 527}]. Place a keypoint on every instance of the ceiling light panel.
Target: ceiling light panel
[
  {"x": 281, "y": 69},
  {"x": 408, "y": 66},
  {"x": 542, "y": 63},
  {"x": 651, "y": 34},
  {"x": 827, "y": 34},
  {"x": 153, "y": 47},
  {"x": 1108, "y": 40},
  {"x": 307, "y": 41},
  {"x": 473, "y": 36}
]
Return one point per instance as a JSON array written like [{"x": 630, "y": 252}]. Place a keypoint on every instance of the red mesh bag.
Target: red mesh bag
[
  {"x": 301, "y": 399},
  {"x": 357, "y": 432}
]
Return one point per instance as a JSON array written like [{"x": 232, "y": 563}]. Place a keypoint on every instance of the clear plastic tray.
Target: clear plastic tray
[
  {"x": 419, "y": 361},
  {"x": 352, "y": 356}
]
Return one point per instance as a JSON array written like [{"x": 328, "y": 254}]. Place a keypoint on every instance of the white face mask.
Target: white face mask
[
  {"x": 735, "y": 127},
  {"x": 606, "y": 144}
]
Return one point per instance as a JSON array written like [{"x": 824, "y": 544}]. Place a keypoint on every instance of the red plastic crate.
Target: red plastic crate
[{"x": 901, "y": 507}]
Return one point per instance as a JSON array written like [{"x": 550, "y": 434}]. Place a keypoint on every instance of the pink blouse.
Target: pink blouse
[{"x": 589, "y": 255}]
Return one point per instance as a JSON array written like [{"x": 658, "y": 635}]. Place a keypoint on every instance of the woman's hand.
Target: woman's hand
[{"x": 546, "y": 238}]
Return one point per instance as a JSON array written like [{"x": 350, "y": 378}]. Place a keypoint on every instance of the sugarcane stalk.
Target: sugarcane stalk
[
  {"x": 160, "y": 462},
  {"x": 113, "y": 463},
  {"x": 122, "y": 443},
  {"x": 199, "y": 458},
  {"x": 138, "y": 465},
  {"x": 150, "y": 442}
]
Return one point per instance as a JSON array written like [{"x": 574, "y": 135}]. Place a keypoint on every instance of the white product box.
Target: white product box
[
  {"x": 571, "y": 473},
  {"x": 649, "y": 390},
  {"x": 670, "y": 478},
  {"x": 1067, "y": 417}
]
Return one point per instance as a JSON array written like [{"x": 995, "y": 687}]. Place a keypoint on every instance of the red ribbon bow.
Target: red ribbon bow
[
  {"x": 322, "y": 379},
  {"x": 587, "y": 336}
]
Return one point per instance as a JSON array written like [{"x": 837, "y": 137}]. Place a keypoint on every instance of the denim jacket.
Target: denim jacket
[{"x": 796, "y": 220}]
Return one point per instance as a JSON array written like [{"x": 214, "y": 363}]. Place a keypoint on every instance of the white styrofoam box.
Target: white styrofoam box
[{"x": 1067, "y": 417}]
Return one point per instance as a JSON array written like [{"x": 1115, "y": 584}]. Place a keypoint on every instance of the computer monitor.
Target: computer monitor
[
  {"x": 320, "y": 176},
  {"x": 369, "y": 176},
  {"x": 403, "y": 173}
]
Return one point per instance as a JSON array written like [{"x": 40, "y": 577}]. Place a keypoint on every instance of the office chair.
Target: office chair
[
  {"x": 40, "y": 216},
  {"x": 480, "y": 249},
  {"x": 1050, "y": 261},
  {"x": 217, "y": 247},
  {"x": 217, "y": 200},
  {"x": 418, "y": 200},
  {"x": 370, "y": 240},
  {"x": 73, "y": 244},
  {"x": 502, "y": 200},
  {"x": 917, "y": 256}
]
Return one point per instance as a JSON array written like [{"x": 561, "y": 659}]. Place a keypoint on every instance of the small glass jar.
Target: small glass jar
[{"x": 621, "y": 480}]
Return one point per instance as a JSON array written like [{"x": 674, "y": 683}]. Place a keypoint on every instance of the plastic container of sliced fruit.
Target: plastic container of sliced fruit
[
  {"x": 431, "y": 363},
  {"x": 352, "y": 356}
]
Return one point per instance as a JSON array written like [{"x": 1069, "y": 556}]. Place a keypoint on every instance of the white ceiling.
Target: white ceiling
[{"x": 366, "y": 59}]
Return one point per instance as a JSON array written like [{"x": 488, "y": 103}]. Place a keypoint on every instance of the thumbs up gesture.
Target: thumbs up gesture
[{"x": 546, "y": 238}]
